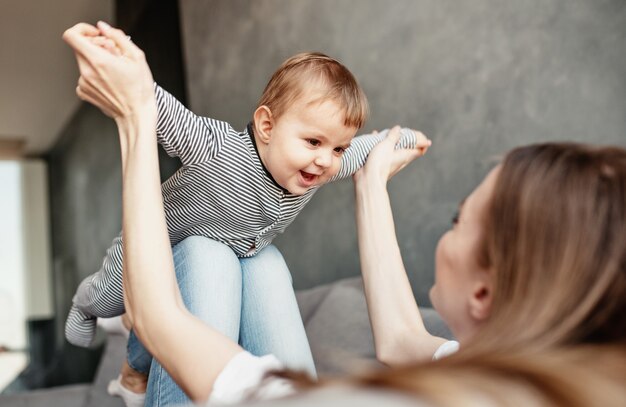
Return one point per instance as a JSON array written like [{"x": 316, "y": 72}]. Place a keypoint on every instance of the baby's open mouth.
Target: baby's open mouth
[{"x": 308, "y": 176}]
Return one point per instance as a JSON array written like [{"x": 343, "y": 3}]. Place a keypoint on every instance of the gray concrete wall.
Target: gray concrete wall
[{"x": 478, "y": 77}]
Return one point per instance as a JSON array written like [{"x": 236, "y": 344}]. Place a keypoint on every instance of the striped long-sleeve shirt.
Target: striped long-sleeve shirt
[{"x": 222, "y": 192}]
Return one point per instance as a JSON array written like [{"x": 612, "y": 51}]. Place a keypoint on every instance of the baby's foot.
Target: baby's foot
[
  {"x": 130, "y": 385},
  {"x": 130, "y": 398}
]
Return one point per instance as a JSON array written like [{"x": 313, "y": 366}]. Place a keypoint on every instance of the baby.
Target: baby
[{"x": 243, "y": 188}]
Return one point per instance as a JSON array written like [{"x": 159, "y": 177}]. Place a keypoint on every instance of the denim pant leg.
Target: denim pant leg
[
  {"x": 209, "y": 277},
  {"x": 138, "y": 357},
  {"x": 270, "y": 317}
]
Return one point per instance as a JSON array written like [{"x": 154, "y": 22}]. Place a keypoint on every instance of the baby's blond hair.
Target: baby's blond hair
[{"x": 313, "y": 68}]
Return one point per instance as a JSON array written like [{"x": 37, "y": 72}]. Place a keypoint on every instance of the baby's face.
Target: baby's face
[{"x": 306, "y": 144}]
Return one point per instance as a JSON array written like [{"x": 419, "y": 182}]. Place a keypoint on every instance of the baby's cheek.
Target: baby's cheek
[
  {"x": 327, "y": 177},
  {"x": 334, "y": 169}
]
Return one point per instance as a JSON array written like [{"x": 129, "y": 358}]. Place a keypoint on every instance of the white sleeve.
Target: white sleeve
[
  {"x": 245, "y": 377},
  {"x": 446, "y": 349}
]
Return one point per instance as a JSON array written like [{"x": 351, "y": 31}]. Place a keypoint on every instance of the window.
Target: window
[{"x": 25, "y": 278}]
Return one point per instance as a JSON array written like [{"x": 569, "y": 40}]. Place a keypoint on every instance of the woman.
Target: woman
[
  {"x": 492, "y": 284},
  {"x": 516, "y": 277}
]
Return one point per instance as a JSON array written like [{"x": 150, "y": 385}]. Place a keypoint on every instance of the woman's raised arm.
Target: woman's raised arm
[
  {"x": 399, "y": 333},
  {"x": 121, "y": 85}
]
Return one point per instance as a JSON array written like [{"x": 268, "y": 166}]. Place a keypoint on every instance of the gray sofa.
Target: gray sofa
[{"x": 335, "y": 318}]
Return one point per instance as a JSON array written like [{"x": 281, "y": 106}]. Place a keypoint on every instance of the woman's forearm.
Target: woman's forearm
[
  {"x": 399, "y": 333},
  {"x": 193, "y": 353},
  {"x": 143, "y": 217},
  {"x": 120, "y": 84}
]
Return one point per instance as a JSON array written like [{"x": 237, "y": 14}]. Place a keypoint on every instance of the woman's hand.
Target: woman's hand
[
  {"x": 107, "y": 44},
  {"x": 385, "y": 161},
  {"x": 114, "y": 75}
]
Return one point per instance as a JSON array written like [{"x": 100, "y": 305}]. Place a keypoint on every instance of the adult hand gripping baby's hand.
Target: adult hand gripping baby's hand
[
  {"x": 119, "y": 83},
  {"x": 385, "y": 161}
]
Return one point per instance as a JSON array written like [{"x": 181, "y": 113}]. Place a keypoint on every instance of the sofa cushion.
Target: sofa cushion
[
  {"x": 109, "y": 368},
  {"x": 338, "y": 326},
  {"x": 62, "y": 396}
]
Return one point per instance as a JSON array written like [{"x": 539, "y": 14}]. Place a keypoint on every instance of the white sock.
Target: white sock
[
  {"x": 113, "y": 326},
  {"x": 131, "y": 399}
]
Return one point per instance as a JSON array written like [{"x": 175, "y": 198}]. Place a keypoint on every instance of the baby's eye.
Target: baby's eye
[
  {"x": 339, "y": 150},
  {"x": 313, "y": 142}
]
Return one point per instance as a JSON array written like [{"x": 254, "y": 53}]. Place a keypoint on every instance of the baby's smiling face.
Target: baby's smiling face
[{"x": 302, "y": 149}]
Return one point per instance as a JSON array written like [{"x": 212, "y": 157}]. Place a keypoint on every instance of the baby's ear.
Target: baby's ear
[{"x": 263, "y": 123}]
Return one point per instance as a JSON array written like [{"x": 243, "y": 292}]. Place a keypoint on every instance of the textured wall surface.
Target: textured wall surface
[{"x": 478, "y": 77}]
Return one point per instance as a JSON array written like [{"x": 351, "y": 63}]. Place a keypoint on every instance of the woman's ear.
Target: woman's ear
[
  {"x": 481, "y": 298},
  {"x": 263, "y": 123}
]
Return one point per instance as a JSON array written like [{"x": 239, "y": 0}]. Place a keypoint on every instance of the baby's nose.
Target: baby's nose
[{"x": 324, "y": 159}]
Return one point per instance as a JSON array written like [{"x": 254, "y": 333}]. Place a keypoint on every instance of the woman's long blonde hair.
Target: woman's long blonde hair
[
  {"x": 578, "y": 376},
  {"x": 555, "y": 241}
]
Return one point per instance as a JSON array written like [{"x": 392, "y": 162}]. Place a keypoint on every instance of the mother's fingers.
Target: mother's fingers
[
  {"x": 89, "y": 88},
  {"x": 422, "y": 143},
  {"x": 83, "y": 29},
  {"x": 86, "y": 67},
  {"x": 393, "y": 135},
  {"x": 87, "y": 42},
  {"x": 421, "y": 140},
  {"x": 92, "y": 94},
  {"x": 77, "y": 36},
  {"x": 408, "y": 154},
  {"x": 107, "y": 44},
  {"x": 88, "y": 96},
  {"x": 120, "y": 39},
  {"x": 402, "y": 158},
  {"x": 99, "y": 91}
]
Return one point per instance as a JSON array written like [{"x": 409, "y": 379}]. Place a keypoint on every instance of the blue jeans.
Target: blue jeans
[{"x": 250, "y": 300}]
